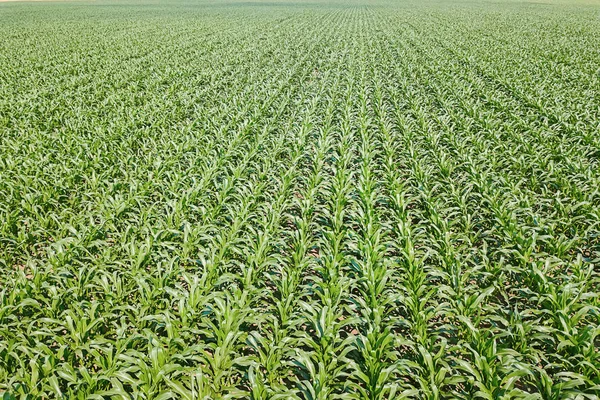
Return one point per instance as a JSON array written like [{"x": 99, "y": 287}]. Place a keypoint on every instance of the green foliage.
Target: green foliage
[{"x": 299, "y": 200}]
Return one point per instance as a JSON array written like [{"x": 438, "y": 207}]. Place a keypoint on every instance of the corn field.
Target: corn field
[{"x": 300, "y": 200}]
